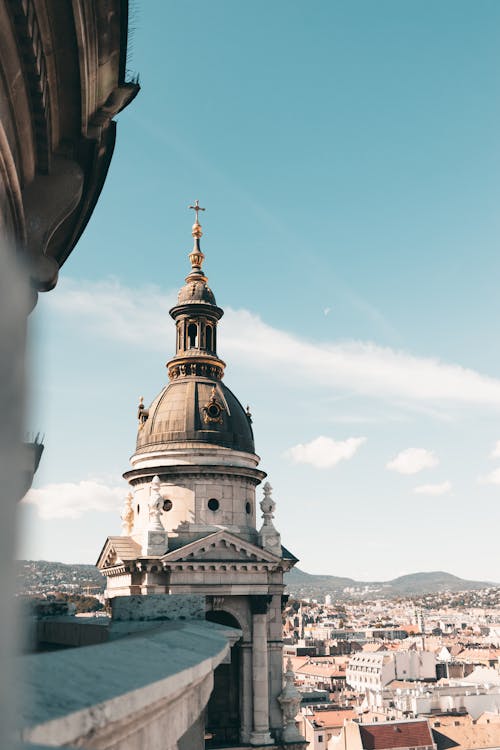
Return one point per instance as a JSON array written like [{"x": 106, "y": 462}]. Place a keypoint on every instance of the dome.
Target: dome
[
  {"x": 194, "y": 292},
  {"x": 199, "y": 410}
]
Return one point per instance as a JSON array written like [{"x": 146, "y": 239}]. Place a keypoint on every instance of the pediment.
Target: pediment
[
  {"x": 221, "y": 546},
  {"x": 118, "y": 550}
]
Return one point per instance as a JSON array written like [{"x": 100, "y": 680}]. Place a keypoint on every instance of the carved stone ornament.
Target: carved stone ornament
[
  {"x": 269, "y": 537},
  {"x": 127, "y": 516},
  {"x": 289, "y": 700},
  {"x": 217, "y": 602},
  {"x": 155, "y": 506},
  {"x": 212, "y": 411}
]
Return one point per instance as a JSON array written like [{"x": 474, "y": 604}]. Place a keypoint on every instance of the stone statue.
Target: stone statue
[
  {"x": 289, "y": 700},
  {"x": 155, "y": 506},
  {"x": 127, "y": 516}
]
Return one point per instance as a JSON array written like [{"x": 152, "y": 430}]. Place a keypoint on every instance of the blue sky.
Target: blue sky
[{"x": 348, "y": 154}]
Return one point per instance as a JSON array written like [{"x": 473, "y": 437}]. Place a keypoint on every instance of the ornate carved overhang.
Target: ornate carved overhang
[{"x": 62, "y": 71}]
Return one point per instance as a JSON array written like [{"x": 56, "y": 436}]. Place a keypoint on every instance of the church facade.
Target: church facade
[{"x": 190, "y": 521}]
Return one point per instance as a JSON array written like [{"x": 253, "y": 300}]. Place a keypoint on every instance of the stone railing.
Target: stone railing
[{"x": 146, "y": 687}]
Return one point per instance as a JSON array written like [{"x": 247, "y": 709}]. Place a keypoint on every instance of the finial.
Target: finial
[
  {"x": 269, "y": 538},
  {"x": 249, "y": 414},
  {"x": 197, "y": 226},
  {"x": 289, "y": 700},
  {"x": 196, "y": 255}
]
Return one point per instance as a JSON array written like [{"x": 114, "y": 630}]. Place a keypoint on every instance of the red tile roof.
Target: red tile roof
[{"x": 395, "y": 734}]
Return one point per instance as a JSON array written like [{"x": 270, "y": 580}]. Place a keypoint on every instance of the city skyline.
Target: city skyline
[{"x": 350, "y": 236}]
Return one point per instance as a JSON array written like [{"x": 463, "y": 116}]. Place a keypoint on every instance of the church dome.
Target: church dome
[
  {"x": 196, "y": 410},
  {"x": 196, "y": 292}
]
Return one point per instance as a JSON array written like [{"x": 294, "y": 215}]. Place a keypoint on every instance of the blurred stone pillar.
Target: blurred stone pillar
[{"x": 14, "y": 309}]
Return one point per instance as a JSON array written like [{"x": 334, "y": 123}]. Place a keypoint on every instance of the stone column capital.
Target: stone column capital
[{"x": 259, "y": 603}]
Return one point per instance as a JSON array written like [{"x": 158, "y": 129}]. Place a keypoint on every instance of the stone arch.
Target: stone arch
[{"x": 224, "y": 709}]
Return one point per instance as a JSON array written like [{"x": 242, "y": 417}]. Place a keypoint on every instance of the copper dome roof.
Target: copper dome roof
[{"x": 196, "y": 410}]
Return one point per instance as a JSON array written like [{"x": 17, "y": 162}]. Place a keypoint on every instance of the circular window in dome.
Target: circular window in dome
[
  {"x": 214, "y": 411},
  {"x": 167, "y": 505},
  {"x": 248, "y": 508},
  {"x": 213, "y": 504}
]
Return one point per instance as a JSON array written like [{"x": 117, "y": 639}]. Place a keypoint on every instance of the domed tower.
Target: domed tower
[
  {"x": 196, "y": 436},
  {"x": 189, "y": 522}
]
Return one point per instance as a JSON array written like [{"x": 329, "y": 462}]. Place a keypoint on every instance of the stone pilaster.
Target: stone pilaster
[{"x": 246, "y": 692}]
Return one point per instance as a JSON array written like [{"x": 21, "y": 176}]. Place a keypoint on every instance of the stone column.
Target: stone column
[
  {"x": 246, "y": 691},
  {"x": 260, "y": 672}
]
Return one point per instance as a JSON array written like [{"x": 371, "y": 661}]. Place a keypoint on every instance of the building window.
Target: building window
[
  {"x": 248, "y": 508},
  {"x": 167, "y": 504},
  {"x": 320, "y": 738},
  {"x": 213, "y": 504},
  {"x": 193, "y": 335},
  {"x": 208, "y": 338}
]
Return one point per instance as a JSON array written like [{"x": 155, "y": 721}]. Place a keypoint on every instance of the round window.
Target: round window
[
  {"x": 167, "y": 504},
  {"x": 248, "y": 508},
  {"x": 213, "y": 411},
  {"x": 213, "y": 504}
]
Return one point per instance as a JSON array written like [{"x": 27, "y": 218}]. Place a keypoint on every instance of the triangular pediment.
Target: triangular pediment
[
  {"x": 118, "y": 550},
  {"x": 221, "y": 546}
]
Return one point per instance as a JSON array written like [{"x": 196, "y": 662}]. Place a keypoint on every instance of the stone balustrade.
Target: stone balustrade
[{"x": 146, "y": 687}]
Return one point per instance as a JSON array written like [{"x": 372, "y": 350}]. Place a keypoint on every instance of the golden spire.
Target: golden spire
[{"x": 196, "y": 256}]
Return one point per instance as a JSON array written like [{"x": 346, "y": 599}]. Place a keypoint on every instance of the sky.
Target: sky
[{"x": 348, "y": 156}]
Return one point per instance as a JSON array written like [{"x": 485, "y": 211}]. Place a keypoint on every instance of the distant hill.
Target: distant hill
[
  {"x": 304, "y": 584},
  {"x": 42, "y": 576}
]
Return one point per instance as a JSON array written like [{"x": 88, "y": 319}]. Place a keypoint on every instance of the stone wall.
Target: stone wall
[
  {"x": 146, "y": 691},
  {"x": 158, "y": 607}
]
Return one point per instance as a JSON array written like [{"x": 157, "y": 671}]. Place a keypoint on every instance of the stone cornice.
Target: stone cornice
[
  {"x": 208, "y": 472},
  {"x": 193, "y": 566},
  {"x": 222, "y": 566}
]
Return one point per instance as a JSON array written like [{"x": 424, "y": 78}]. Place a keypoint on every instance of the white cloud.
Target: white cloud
[
  {"x": 324, "y": 453},
  {"x": 412, "y": 460},
  {"x": 72, "y": 500},
  {"x": 491, "y": 478},
  {"x": 495, "y": 453},
  {"x": 140, "y": 316},
  {"x": 442, "y": 488}
]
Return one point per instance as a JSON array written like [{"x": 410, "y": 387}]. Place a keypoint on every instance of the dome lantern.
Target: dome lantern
[{"x": 196, "y": 316}]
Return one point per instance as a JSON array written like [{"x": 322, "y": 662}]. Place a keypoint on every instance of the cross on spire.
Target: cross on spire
[{"x": 197, "y": 208}]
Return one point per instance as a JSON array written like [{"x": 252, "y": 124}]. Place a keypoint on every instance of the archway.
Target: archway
[{"x": 222, "y": 726}]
